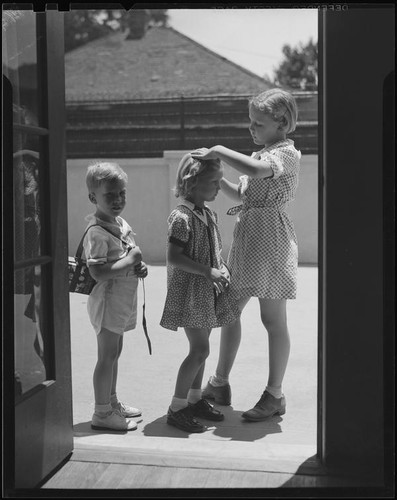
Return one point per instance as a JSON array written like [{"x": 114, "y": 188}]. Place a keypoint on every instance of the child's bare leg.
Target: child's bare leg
[
  {"x": 230, "y": 342},
  {"x": 189, "y": 369},
  {"x": 196, "y": 384},
  {"x": 195, "y": 392},
  {"x": 116, "y": 366},
  {"x": 274, "y": 318},
  {"x": 104, "y": 416},
  {"x": 108, "y": 349},
  {"x": 187, "y": 402}
]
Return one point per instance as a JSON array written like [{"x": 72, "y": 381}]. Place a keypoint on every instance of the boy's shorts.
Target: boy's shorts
[{"x": 112, "y": 304}]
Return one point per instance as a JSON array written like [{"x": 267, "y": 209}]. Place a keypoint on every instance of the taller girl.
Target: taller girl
[{"x": 263, "y": 257}]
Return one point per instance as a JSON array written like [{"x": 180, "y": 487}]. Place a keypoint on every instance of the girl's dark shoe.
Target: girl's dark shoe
[
  {"x": 266, "y": 407},
  {"x": 222, "y": 394},
  {"x": 184, "y": 420},
  {"x": 204, "y": 410}
]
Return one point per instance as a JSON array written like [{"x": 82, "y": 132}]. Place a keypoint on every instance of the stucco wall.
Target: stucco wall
[{"x": 150, "y": 200}]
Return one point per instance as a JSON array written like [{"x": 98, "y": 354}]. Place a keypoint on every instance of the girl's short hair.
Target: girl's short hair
[
  {"x": 280, "y": 105},
  {"x": 188, "y": 170},
  {"x": 103, "y": 171}
]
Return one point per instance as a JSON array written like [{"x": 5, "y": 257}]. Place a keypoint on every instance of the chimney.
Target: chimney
[{"x": 137, "y": 23}]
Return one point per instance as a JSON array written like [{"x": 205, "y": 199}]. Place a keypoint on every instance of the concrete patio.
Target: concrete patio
[{"x": 282, "y": 445}]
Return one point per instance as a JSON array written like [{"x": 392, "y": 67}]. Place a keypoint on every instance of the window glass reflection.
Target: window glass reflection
[
  {"x": 27, "y": 224},
  {"x": 28, "y": 317},
  {"x": 20, "y": 58}
]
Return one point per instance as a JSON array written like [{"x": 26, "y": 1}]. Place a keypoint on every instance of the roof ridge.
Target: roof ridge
[
  {"x": 153, "y": 67},
  {"x": 250, "y": 73}
]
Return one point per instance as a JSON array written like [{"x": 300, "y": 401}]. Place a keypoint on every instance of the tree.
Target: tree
[
  {"x": 299, "y": 70},
  {"x": 82, "y": 26}
]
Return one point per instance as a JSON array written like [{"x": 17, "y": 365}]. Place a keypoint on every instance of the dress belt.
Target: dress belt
[{"x": 235, "y": 210}]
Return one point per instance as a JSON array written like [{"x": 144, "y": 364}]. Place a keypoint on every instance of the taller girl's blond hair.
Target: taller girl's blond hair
[{"x": 280, "y": 105}]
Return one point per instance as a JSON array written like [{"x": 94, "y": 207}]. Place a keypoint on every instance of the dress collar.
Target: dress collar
[
  {"x": 201, "y": 215},
  {"x": 277, "y": 145}
]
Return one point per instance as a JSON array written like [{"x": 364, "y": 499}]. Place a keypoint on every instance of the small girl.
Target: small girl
[
  {"x": 197, "y": 293},
  {"x": 263, "y": 257},
  {"x": 115, "y": 262}
]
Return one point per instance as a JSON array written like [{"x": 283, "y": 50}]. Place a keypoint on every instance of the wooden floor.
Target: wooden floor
[
  {"x": 119, "y": 470},
  {"x": 91, "y": 475}
]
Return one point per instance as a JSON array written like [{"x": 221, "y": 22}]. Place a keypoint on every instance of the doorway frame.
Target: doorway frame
[
  {"x": 356, "y": 245},
  {"x": 39, "y": 422}
]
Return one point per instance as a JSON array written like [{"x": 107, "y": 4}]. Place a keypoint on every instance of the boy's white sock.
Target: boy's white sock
[
  {"x": 274, "y": 391},
  {"x": 218, "y": 380},
  {"x": 103, "y": 409},
  {"x": 178, "y": 403},
  {"x": 194, "y": 395}
]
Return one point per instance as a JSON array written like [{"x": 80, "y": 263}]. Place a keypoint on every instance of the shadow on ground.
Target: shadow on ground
[{"x": 232, "y": 428}]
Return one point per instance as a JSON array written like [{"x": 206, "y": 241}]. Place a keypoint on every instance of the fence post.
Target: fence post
[{"x": 182, "y": 116}]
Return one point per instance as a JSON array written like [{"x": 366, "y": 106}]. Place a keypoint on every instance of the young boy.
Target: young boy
[{"x": 115, "y": 262}]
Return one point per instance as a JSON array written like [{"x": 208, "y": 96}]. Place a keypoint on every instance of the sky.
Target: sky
[{"x": 252, "y": 38}]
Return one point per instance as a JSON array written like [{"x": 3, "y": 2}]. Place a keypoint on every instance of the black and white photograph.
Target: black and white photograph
[{"x": 198, "y": 250}]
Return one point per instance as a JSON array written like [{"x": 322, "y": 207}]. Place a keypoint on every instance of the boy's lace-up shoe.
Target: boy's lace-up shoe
[
  {"x": 113, "y": 421},
  {"x": 222, "y": 395},
  {"x": 127, "y": 411},
  {"x": 184, "y": 420},
  {"x": 204, "y": 410},
  {"x": 266, "y": 407}
]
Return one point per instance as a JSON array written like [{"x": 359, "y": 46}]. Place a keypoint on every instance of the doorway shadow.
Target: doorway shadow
[
  {"x": 313, "y": 474},
  {"x": 233, "y": 427}
]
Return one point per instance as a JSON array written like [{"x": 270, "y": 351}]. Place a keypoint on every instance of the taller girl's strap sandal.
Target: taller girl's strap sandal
[
  {"x": 222, "y": 395},
  {"x": 266, "y": 407}
]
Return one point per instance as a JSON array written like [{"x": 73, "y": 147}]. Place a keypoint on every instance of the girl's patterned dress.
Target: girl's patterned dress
[
  {"x": 263, "y": 257},
  {"x": 191, "y": 300}
]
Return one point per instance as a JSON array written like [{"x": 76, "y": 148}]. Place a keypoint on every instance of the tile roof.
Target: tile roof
[{"x": 163, "y": 64}]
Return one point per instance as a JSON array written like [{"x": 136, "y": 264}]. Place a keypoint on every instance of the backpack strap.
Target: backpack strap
[
  {"x": 80, "y": 247},
  {"x": 144, "y": 319}
]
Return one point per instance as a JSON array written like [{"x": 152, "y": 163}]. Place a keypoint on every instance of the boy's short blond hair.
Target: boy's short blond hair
[
  {"x": 280, "y": 105},
  {"x": 188, "y": 170},
  {"x": 103, "y": 171}
]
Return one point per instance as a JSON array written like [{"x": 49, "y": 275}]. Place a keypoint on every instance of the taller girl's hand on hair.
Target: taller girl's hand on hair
[{"x": 205, "y": 153}]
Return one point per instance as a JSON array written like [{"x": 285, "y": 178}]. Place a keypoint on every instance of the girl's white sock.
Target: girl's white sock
[
  {"x": 274, "y": 391},
  {"x": 194, "y": 395},
  {"x": 178, "y": 403},
  {"x": 103, "y": 409},
  {"x": 217, "y": 380}
]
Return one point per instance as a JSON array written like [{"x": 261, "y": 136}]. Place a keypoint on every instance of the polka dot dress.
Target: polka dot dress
[
  {"x": 263, "y": 257},
  {"x": 191, "y": 300}
]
